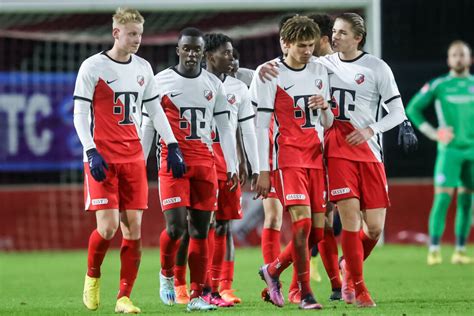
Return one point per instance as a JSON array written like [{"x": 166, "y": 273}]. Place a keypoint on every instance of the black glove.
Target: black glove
[
  {"x": 96, "y": 164},
  {"x": 175, "y": 161},
  {"x": 406, "y": 137}
]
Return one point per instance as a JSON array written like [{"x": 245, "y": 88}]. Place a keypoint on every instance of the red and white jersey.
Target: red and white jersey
[
  {"x": 358, "y": 88},
  {"x": 238, "y": 98},
  {"x": 116, "y": 91},
  {"x": 190, "y": 104},
  {"x": 298, "y": 133}
]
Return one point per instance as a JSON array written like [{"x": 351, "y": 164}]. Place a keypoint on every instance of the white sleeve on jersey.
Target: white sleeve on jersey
[
  {"x": 81, "y": 123},
  {"x": 265, "y": 99},
  {"x": 148, "y": 133},
  {"x": 226, "y": 132},
  {"x": 327, "y": 117},
  {"x": 247, "y": 125},
  {"x": 388, "y": 90},
  {"x": 83, "y": 95}
]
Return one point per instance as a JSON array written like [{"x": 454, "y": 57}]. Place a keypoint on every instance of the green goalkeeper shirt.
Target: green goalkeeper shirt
[{"x": 453, "y": 98}]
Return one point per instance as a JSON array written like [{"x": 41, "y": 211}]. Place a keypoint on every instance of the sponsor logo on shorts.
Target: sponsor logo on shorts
[
  {"x": 340, "y": 191},
  {"x": 172, "y": 200},
  {"x": 291, "y": 197},
  {"x": 100, "y": 201}
]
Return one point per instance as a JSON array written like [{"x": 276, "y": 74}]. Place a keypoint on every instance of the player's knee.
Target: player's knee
[
  {"x": 374, "y": 232},
  {"x": 273, "y": 222},
  {"x": 222, "y": 227},
  {"x": 175, "y": 231},
  {"x": 107, "y": 232}
]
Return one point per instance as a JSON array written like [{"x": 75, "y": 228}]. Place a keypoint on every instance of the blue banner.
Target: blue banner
[{"x": 36, "y": 122}]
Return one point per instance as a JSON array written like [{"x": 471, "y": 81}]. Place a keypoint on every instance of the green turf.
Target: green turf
[{"x": 50, "y": 283}]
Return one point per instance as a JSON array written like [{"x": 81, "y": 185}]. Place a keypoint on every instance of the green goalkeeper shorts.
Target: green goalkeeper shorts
[{"x": 454, "y": 168}]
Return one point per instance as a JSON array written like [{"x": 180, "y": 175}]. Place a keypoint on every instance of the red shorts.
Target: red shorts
[
  {"x": 228, "y": 203},
  {"x": 365, "y": 181},
  {"x": 273, "y": 185},
  {"x": 124, "y": 188},
  {"x": 302, "y": 186},
  {"x": 197, "y": 189}
]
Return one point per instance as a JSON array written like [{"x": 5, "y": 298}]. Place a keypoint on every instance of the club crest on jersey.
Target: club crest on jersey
[
  {"x": 231, "y": 98},
  {"x": 141, "y": 80},
  {"x": 319, "y": 84},
  {"x": 359, "y": 78},
  {"x": 208, "y": 95}
]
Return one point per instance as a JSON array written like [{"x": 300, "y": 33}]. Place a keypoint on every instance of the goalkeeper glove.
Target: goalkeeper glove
[
  {"x": 96, "y": 165},
  {"x": 406, "y": 137},
  {"x": 175, "y": 161}
]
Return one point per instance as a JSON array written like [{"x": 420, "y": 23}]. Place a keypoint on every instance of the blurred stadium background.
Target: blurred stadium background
[{"x": 43, "y": 43}]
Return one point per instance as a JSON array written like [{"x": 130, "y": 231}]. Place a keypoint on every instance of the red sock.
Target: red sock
[
  {"x": 270, "y": 244},
  {"x": 294, "y": 280},
  {"x": 227, "y": 275},
  {"x": 217, "y": 260},
  {"x": 329, "y": 255},
  {"x": 198, "y": 263},
  {"x": 301, "y": 230},
  {"x": 315, "y": 236},
  {"x": 283, "y": 261},
  {"x": 95, "y": 255},
  {"x": 367, "y": 243},
  {"x": 179, "y": 275},
  {"x": 130, "y": 255},
  {"x": 211, "y": 241},
  {"x": 353, "y": 254},
  {"x": 168, "y": 248}
]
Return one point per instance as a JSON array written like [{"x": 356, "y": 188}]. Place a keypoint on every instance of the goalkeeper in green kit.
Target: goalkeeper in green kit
[{"x": 453, "y": 98}]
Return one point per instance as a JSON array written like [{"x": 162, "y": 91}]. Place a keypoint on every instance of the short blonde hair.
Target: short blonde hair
[{"x": 126, "y": 15}]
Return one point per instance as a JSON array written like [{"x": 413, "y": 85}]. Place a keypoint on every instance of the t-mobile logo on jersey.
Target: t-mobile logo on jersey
[
  {"x": 125, "y": 105},
  {"x": 339, "y": 106},
  {"x": 306, "y": 114},
  {"x": 193, "y": 121}
]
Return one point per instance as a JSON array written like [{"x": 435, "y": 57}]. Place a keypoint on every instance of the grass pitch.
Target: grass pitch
[{"x": 50, "y": 283}]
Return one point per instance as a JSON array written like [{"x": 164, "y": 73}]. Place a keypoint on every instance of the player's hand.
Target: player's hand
[
  {"x": 253, "y": 181},
  {"x": 243, "y": 172},
  {"x": 175, "y": 161},
  {"x": 97, "y": 165},
  {"x": 263, "y": 185},
  {"x": 359, "y": 136},
  {"x": 233, "y": 181},
  {"x": 268, "y": 71},
  {"x": 317, "y": 102},
  {"x": 406, "y": 137},
  {"x": 445, "y": 134}
]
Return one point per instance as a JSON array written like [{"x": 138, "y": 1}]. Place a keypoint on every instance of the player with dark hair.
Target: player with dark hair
[
  {"x": 297, "y": 153},
  {"x": 218, "y": 52},
  {"x": 452, "y": 95},
  {"x": 193, "y": 99},
  {"x": 111, "y": 89}
]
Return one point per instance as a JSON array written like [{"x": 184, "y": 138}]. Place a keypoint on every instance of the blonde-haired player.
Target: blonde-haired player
[{"x": 110, "y": 90}]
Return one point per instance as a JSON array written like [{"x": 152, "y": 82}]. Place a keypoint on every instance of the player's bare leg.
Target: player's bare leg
[
  {"x": 199, "y": 222},
  {"x": 180, "y": 286},
  {"x": 99, "y": 241},
  {"x": 271, "y": 234},
  {"x": 176, "y": 224},
  {"x": 130, "y": 256}
]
